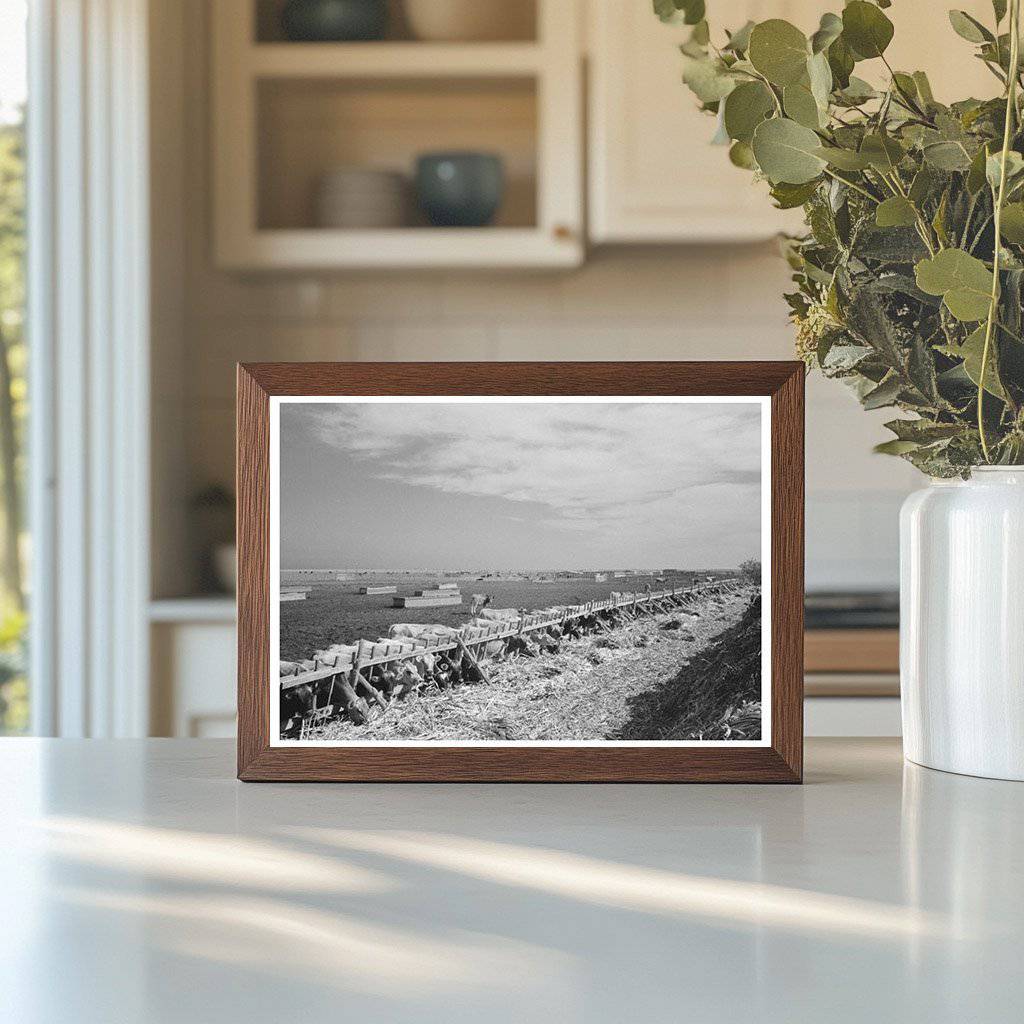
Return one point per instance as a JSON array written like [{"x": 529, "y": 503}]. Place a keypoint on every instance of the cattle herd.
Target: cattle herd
[{"x": 351, "y": 680}]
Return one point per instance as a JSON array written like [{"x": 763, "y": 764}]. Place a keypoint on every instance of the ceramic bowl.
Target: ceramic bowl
[
  {"x": 333, "y": 21},
  {"x": 460, "y": 189},
  {"x": 359, "y": 197}
]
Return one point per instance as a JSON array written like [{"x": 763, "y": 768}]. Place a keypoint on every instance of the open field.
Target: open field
[{"x": 335, "y": 612}]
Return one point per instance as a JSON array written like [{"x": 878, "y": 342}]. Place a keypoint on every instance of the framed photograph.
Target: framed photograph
[{"x": 512, "y": 572}]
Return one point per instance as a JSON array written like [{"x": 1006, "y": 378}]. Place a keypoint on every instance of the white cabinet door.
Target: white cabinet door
[{"x": 654, "y": 177}]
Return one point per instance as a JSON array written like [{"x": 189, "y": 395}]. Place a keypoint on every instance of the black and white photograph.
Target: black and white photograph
[{"x": 507, "y": 571}]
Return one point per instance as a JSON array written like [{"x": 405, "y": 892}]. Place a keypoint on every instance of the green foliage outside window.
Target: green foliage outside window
[{"x": 13, "y": 412}]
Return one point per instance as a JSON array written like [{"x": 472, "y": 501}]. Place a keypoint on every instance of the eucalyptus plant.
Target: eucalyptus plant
[{"x": 910, "y": 277}]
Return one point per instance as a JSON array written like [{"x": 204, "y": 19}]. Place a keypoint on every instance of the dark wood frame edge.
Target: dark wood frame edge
[{"x": 781, "y": 762}]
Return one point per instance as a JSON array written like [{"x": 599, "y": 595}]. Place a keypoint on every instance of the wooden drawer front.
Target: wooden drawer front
[{"x": 851, "y": 650}]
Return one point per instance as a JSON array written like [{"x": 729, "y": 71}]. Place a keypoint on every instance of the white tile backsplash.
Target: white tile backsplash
[
  {"x": 714, "y": 303},
  {"x": 853, "y": 539}
]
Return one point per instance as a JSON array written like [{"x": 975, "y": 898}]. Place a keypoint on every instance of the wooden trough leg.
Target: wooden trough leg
[
  {"x": 468, "y": 655},
  {"x": 375, "y": 694},
  {"x": 357, "y": 708}
]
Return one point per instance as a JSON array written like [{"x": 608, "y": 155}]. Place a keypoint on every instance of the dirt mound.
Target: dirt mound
[{"x": 716, "y": 696}]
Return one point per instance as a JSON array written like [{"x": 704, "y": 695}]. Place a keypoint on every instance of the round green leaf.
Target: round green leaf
[
  {"x": 968, "y": 28},
  {"x": 707, "y": 79},
  {"x": 963, "y": 281},
  {"x": 779, "y": 51},
  {"x": 976, "y": 173},
  {"x": 745, "y": 108},
  {"x": 690, "y": 12},
  {"x": 740, "y": 39},
  {"x": 819, "y": 74},
  {"x": 840, "y": 62},
  {"x": 788, "y": 197},
  {"x": 994, "y": 164},
  {"x": 896, "y": 447},
  {"x": 741, "y": 155},
  {"x": 787, "y": 152},
  {"x": 883, "y": 152},
  {"x": 829, "y": 30},
  {"x": 857, "y": 91},
  {"x": 866, "y": 29},
  {"x": 844, "y": 159},
  {"x": 895, "y": 212},
  {"x": 1012, "y": 224},
  {"x": 972, "y": 351},
  {"x": 947, "y": 156},
  {"x": 801, "y": 106},
  {"x": 924, "y": 87}
]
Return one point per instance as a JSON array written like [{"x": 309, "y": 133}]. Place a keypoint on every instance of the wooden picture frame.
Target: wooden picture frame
[{"x": 778, "y": 760}]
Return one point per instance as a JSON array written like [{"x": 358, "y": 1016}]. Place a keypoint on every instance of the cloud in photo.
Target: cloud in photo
[{"x": 642, "y": 475}]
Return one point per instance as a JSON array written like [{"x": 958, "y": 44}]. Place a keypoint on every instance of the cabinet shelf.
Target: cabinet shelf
[
  {"x": 393, "y": 60},
  {"x": 402, "y": 248}
]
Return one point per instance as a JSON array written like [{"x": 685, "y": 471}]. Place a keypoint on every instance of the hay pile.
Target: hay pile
[
  {"x": 582, "y": 691},
  {"x": 716, "y": 696}
]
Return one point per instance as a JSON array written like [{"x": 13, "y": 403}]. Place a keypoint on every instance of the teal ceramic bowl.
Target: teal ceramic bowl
[
  {"x": 460, "y": 189},
  {"x": 334, "y": 21}
]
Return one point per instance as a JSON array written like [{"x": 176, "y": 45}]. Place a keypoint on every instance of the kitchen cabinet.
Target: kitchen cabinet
[
  {"x": 654, "y": 177},
  {"x": 192, "y": 649},
  {"x": 287, "y": 114}
]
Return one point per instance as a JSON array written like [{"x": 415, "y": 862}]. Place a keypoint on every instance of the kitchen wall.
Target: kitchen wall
[{"x": 718, "y": 302}]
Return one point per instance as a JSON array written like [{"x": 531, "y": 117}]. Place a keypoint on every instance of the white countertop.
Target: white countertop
[{"x": 140, "y": 882}]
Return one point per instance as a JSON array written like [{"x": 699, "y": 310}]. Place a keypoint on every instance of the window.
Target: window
[{"x": 14, "y": 691}]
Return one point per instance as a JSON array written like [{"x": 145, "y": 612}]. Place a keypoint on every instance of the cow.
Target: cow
[
  {"x": 415, "y": 630},
  {"x": 337, "y": 654},
  {"x": 401, "y": 677},
  {"x": 294, "y": 703},
  {"x": 499, "y": 614}
]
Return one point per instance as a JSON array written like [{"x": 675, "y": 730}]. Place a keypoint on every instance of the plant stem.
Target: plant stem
[
  {"x": 910, "y": 102},
  {"x": 980, "y": 232},
  {"x": 1011, "y": 108},
  {"x": 853, "y": 185}
]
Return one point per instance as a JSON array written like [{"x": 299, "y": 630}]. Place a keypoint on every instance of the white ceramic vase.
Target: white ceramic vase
[{"x": 962, "y": 624}]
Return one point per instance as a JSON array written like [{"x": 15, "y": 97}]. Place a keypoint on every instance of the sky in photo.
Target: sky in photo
[{"x": 519, "y": 485}]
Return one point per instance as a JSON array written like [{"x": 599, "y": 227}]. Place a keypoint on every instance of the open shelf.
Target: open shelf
[
  {"x": 411, "y": 248},
  {"x": 307, "y": 128},
  {"x": 206, "y": 608}
]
